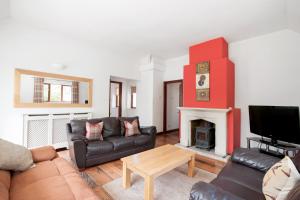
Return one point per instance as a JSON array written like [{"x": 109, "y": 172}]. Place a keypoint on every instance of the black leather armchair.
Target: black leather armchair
[{"x": 86, "y": 153}]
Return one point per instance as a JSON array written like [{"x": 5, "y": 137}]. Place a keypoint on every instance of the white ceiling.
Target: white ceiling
[
  {"x": 161, "y": 27},
  {"x": 4, "y": 9}
]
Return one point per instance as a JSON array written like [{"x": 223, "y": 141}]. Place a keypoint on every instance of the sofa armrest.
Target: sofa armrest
[
  {"x": 151, "y": 131},
  {"x": 148, "y": 130},
  {"x": 75, "y": 137},
  {"x": 43, "y": 154},
  {"x": 254, "y": 159},
  {"x": 206, "y": 191}
]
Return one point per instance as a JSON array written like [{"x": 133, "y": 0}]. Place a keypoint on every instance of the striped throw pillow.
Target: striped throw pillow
[
  {"x": 131, "y": 128},
  {"x": 94, "y": 131}
]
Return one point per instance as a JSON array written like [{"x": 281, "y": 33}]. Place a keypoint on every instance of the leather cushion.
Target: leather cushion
[
  {"x": 4, "y": 184},
  {"x": 241, "y": 175},
  {"x": 206, "y": 191},
  {"x": 296, "y": 161},
  {"x": 141, "y": 139},
  {"x": 128, "y": 119},
  {"x": 121, "y": 142},
  {"x": 238, "y": 189},
  {"x": 99, "y": 147},
  {"x": 111, "y": 127},
  {"x": 79, "y": 126},
  {"x": 254, "y": 159}
]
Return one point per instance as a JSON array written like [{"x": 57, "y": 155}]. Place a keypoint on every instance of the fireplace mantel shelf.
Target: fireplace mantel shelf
[{"x": 205, "y": 109}]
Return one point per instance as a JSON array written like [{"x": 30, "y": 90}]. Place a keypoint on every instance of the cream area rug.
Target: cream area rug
[{"x": 175, "y": 185}]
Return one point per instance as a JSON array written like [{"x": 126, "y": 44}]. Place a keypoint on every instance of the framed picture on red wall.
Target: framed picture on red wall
[{"x": 202, "y": 81}]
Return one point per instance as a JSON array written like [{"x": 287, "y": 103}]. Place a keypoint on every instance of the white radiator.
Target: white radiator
[{"x": 48, "y": 129}]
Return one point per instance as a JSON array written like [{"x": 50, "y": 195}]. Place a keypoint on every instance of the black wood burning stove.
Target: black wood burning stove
[{"x": 205, "y": 137}]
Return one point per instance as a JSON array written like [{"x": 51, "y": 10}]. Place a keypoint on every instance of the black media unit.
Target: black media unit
[{"x": 278, "y": 149}]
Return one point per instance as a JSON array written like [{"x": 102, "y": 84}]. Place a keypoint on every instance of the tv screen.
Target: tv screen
[{"x": 275, "y": 122}]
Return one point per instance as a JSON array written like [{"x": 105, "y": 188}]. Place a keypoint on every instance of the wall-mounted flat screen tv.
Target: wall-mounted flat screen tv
[{"x": 275, "y": 122}]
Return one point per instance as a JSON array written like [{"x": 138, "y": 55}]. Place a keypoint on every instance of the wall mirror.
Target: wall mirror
[{"x": 40, "y": 89}]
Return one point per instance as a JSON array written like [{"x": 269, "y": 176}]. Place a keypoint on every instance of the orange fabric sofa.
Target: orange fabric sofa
[{"x": 52, "y": 178}]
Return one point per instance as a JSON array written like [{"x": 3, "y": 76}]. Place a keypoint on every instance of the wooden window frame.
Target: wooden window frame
[
  {"x": 17, "y": 90},
  {"x": 61, "y": 92}
]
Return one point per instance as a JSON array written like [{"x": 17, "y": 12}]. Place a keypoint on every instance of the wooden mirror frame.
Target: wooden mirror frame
[{"x": 17, "y": 92}]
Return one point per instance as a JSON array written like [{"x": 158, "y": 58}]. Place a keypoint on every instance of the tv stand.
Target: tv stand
[{"x": 274, "y": 148}]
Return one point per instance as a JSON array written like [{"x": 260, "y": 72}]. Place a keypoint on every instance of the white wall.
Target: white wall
[
  {"x": 174, "y": 68},
  {"x": 172, "y": 104},
  {"x": 27, "y": 89},
  {"x": 150, "y": 91},
  {"x": 28, "y": 48},
  {"x": 267, "y": 72},
  {"x": 4, "y": 9}
]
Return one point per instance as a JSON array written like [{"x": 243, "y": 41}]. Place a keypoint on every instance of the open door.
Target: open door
[
  {"x": 172, "y": 100},
  {"x": 115, "y": 99}
]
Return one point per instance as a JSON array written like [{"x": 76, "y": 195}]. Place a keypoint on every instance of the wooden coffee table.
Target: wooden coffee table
[{"x": 155, "y": 162}]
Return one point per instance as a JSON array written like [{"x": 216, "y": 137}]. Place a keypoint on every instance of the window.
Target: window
[
  {"x": 66, "y": 93},
  {"x": 133, "y": 97},
  {"x": 46, "y": 92},
  {"x": 57, "y": 93}
]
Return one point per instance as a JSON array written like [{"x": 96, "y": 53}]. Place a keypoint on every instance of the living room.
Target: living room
[{"x": 228, "y": 62}]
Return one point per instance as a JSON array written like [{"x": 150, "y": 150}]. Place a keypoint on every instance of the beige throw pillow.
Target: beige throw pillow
[
  {"x": 14, "y": 157},
  {"x": 280, "y": 179}
]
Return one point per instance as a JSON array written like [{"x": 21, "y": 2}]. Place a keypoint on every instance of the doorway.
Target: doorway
[
  {"x": 173, "y": 98},
  {"x": 115, "y": 99}
]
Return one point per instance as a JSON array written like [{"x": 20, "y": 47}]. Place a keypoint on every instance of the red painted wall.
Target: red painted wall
[{"x": 222, "y": 84}]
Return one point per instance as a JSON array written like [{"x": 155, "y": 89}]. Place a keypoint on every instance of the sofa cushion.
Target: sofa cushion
[
  {"x": 237, "y": 189},
  {"x": 111, "y": 127},
  {"x": 241, "y": 175},
  {"x": 51, "y": 188},
  {"x": 141, "y": 139},
  {"x": 4, "y": 184},
  {"x": 42, "y": 170},
  {"x": 121, "y": 142},
  {"x": 296, "y": 161},
  {"x": 128, "y": 119},
  {"x": 99, "y": 147},
  {"x": 254, "y": 159},
  {"x": 14, "y": 157},
  {"x": 50, "y": 180}
]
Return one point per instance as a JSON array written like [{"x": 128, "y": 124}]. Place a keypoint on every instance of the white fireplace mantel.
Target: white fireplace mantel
[{"x": 215, "y": 115}]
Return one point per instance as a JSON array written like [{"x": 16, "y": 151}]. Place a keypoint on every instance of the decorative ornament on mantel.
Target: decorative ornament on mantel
[{"x": 202, "y": 81}]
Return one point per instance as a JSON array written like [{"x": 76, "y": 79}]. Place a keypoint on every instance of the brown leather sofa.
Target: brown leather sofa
[
  {"x": 86, "y": 153},
  {"x": 241, "y": 178},
  {"x": 52, "y": 178}
]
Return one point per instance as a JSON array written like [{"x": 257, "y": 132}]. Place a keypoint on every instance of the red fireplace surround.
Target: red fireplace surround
[{"x": 222, "y": 85}]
